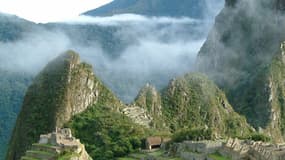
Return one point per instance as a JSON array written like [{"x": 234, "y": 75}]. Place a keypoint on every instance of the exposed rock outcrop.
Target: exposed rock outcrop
[
  {"x": 64, "y": 88},
  {"x": 245, "y": 149},
  {"x": 149, "y": 100}
]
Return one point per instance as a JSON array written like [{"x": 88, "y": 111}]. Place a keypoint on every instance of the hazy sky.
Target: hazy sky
[{"x": 48, "y": 10}]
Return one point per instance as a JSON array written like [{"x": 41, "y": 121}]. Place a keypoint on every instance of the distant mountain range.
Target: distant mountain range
[{"x": 169, "y": 8}]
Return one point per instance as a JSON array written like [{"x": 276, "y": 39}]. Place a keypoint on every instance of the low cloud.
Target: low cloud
[
  {"x": 31, "y": 53},
  {"x": 127, "y": 18},
  {"x": 156, "y": 50}
]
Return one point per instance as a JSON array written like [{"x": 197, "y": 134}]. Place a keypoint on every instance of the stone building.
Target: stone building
[
  {"x": 57, "y": 137},
  {"x": 51, "y": 146},
  {"x": 155, "y": 142}
]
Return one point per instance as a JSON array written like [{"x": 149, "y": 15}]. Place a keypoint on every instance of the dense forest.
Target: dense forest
[{"x": 12, "y": 90}]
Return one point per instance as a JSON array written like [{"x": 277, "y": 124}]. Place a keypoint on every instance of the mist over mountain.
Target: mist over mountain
[
  {"x": 127, "y": 51},
  {"x": 116, "y": 46},
  {"x": 242, "y": 54},
  {"x": 198, "y": 9},
  {"x": 240, "y": 93}
]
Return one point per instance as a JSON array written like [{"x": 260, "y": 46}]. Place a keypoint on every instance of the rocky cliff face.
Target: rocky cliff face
[
  {"x": 149, "y": 99},
  {"x": 267, "y": 98},
  {"x": 193, "y": 101},
  {"x": 240, "y": 56},
  {"x": 63, "y": 89},
  {"x": 146, "y": 108}
]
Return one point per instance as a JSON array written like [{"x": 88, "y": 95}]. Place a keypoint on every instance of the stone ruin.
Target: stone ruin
[
  {"x": 61, "y": 138},
  {"x": 251, "y": 150},
  {"x": 235, "y": 149},
  {"x": 51, "y": 146},
  {"x": 138, "y": 115},
  {"x": 195, "y": 150}
]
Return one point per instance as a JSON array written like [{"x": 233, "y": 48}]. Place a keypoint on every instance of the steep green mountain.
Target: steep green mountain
[
  {"x": 241, "y": 56},
  {"x": 66, "y": 93},
  {"x": 12, "y": 90},
  {"x": 64, "y": 88},
  {"x": 149, "y": 99},
  {"x": 195, "y": 102},
  {"x": 265, "y": 93},
  {"x": 192, "y": 102},
  {"x": 169, "y": 8},
  {"x": 13, "y": 83}
]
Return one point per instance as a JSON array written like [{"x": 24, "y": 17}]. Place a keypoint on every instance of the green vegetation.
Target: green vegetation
[
  {"x": 12, "y": 27},
  {"x": 193, "y": 108},
  {"x": 193, "y": 101},
  {"x": 259, "y": 137},
  {"x": 48, "y": 101},
  {"x": 12, "y": 89},
  {"x": 192, "y": 134},
  {"x": 277, "y": 76},
  {"x": 218, "y": 156},
  {"x": 42, "y": 100},
  {"x": 149, "y": 99},
  {"x": 67, "y": 156},
  {"x": 157, "y": 155},
  {"x": 247, "y": 64},
  {"x": 113, "y": 135}
]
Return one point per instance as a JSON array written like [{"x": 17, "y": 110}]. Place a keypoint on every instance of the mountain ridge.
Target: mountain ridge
[
  {"x": 68, "y": 94},
  {"x": 166, "y": 8}
]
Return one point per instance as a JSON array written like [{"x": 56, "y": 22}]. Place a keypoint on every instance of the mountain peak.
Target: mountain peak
[
  {"x": 64, "y": 88},
  {"x": 169, "y": 8}
]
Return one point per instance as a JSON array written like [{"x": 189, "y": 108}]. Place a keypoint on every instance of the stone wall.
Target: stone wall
[
  {"x": 245, "y": 149},
  {"x": 195, "y": 150},
  {"x": 233, "y": 148}
]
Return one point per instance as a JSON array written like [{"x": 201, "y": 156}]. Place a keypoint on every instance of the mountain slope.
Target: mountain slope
[
  {"x": 12, "y": 90},
  {"x": 238, "y": 54},
  {"x": 67, "y": 94},
  {"x": 64, "y": 88},
  {"x": 13, "y": 27},
  {"x": 193, "y": 101},
  {"x": 149, "y": 99},
  {"x": 13, "y": 83},
  {"x": 169, "y": 8}
]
